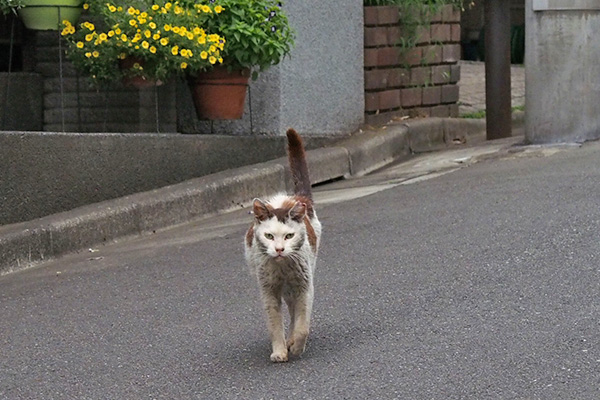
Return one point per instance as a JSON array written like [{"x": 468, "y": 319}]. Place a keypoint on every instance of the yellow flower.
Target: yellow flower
[
  {"x": 152, "y": 25},
  {"x": 175, "y": 50},
  {"x": 95, "y": 53},
  {"x": 212, "y": 49},
  {"x": 131, "y": 11},
  {"x": 168, "y": 6},
  {"x": 102, "y": 36},
  {"x": 197, "y": 31},
  {"x": 152, "y": 49},
  {"x": 218, "y": 9},
  {"x": 155, "y": 7},
  {"x": 147, "y": 33},
  {"x": 167, "y": 27},
  {"x": 184, "y": 65},
  {"x": 124, "y": 37},
  {"x": 89, "y": 37},
  {"x": 156, "y": 36},
  {"x": 212, "y": 60},
  {"x": 202, "y": 39},
  {"x": 164, "y": 41},
  {"x": 133, "y": 22},
  {"x": 203, "y": 55},
  {"x": 112, "y": 8},
  {"x": 205, "y": 9},
  {"x": 86, "y": 6},
  {"x": 79, "y": 45},
  {"x": 175, "y": 29},
  {"x": 220, "y": 60},
  {"x": 190, "y": 35},
  {"x": 145, "y": 44},
  {"x": 118, "y": 31},
  {"x": 88, "y": 54},
  {"x": 178, "y": 10},
  {"x": 111, "y": 33}
]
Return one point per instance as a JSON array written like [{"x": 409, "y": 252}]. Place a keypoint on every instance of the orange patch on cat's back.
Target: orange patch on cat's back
[{"x": 310, "y": 234}]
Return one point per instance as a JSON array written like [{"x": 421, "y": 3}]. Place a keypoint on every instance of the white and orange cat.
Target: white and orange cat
[{"x": 281, "y": 250}]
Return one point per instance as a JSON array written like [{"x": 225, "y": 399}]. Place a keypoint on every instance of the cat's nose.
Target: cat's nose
[{"x": 279, "y": 251}]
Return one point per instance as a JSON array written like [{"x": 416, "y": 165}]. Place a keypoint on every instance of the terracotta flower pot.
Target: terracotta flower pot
[
  {"x": 219, "y": 94},
  {"x": 49, "y": 14}
]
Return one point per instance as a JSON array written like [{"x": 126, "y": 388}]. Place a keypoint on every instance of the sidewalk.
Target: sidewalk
[
  {"x": 472, "y": 86},
  {"x": 25, "y": 244}
]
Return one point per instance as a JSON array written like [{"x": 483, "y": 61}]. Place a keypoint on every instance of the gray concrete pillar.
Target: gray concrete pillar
[{"x": 562, "y": 76}]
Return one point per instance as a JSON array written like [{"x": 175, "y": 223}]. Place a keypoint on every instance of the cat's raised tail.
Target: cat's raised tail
[{"x": 298, "y": 165}]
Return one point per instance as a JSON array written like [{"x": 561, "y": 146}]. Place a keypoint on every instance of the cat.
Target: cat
[{"x": 281, "y": 250}]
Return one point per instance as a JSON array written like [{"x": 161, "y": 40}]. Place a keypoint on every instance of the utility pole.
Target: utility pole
[{"x": 497, "y": 69}]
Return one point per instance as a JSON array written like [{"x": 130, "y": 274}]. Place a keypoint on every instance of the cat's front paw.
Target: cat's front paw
[{"x": 279, "y": 357}]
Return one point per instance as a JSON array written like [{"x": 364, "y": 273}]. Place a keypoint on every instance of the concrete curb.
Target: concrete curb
[{"x": 25, "y": 244}]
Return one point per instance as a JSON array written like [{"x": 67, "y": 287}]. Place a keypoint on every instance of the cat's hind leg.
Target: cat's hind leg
[
  {"x": 291, "y": 303},
  {"x": 301, "y": 323}
]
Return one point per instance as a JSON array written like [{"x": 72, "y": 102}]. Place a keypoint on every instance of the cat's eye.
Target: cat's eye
[
  {"x": 289, "y": 236},
  {"x": 269, "y": 236}
]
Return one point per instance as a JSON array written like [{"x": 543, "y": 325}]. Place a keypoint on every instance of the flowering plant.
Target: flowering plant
[
  {"x": 8, "y": 6},
  {"x": 257, "y": 32},
  {"x": 150, "y": 39}
]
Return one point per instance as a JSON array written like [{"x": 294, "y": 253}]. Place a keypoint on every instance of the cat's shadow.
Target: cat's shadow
[{"x": 327, "y": 341}]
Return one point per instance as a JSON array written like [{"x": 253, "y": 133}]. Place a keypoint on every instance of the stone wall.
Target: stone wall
[
  {"x": 77, "y": 106},
  {"x": 418, "y": 82}
]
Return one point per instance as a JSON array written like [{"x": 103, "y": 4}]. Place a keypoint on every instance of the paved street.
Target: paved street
[{"x": 438, "y": 278}]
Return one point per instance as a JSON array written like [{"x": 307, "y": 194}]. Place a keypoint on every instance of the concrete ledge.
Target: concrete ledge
[
  {"x": 426, "y": 135},
  {"x": 368, "y": 151},
  {"x": 25, "y": 244},
  {"x": 45, "y": 173}
]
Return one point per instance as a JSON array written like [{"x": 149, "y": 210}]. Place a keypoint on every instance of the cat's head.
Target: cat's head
[{"x": 280, "y": 231}]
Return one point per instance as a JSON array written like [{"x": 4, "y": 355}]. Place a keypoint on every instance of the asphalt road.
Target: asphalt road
[{"x": 481, "y": 281}]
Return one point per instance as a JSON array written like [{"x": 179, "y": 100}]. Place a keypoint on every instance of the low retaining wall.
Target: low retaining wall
[
  {"x": 46, "y": 173},
  {"x": 25, "y": 244}
]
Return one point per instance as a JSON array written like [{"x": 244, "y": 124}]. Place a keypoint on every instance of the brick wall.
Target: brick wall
[
  {"x": 421, "y": 81},
  {"x": 88, "y": 109}
]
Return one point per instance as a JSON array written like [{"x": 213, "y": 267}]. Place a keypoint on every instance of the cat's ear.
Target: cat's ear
[
  {"x": 261, "y": 210},
  {"x": 298, "y": 212}
]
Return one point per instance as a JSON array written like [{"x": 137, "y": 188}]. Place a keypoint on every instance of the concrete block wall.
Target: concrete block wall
[
  {"x": 74, "y": 101},
  {"x": 419, "y": 82},
  {"x": 563, "y": 87},
  {"x": 318, "y": 89}
]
